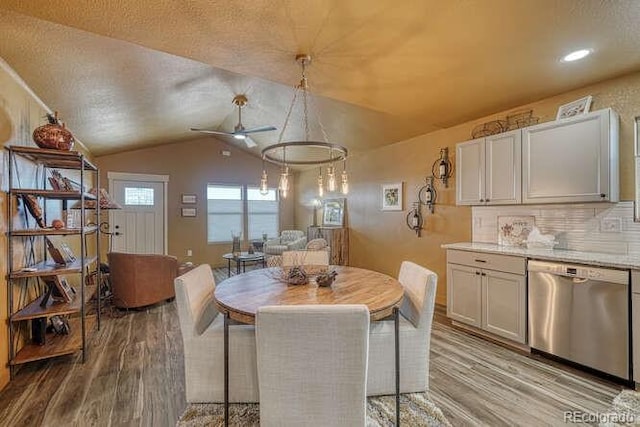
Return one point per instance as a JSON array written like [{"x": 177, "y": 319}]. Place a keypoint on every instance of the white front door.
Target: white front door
[{"x": 140, "y": 227}]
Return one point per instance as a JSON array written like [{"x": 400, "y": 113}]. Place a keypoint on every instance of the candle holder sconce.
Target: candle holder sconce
[
  {"x": 442, "y": 168},
  {"x": 414, "y": 219},
  {"x": 427, "y": 195}
]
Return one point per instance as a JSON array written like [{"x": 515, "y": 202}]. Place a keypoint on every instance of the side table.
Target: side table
[{"x": 243, "y": 258}]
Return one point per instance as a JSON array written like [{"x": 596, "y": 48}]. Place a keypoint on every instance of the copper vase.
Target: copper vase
[{"x": 53, "y": 135}]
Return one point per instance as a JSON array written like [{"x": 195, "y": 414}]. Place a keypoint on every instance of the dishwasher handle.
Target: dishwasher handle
[{"x": 580, "y": 271}]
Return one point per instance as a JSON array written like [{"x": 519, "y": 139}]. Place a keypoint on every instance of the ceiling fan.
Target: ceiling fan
[{"x": 239, "y": 132}]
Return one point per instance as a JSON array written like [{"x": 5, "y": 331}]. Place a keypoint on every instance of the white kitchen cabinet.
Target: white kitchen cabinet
[
  {"x": 571, "y": 160},
  {"x": 503, "y": 304},
  {"x": 488, "y": 291},
  {"x": 464, "y": 294},
  {"x": 488, "y": 170}
]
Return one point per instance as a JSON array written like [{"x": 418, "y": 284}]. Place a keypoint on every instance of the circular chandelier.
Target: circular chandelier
[{"x": 306, "y": 152}]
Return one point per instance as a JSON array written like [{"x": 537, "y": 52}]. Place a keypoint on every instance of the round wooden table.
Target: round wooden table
[{"x": 240, "y": 296}]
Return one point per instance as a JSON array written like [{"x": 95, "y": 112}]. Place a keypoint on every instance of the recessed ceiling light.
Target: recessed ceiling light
[
  {"x": 577, "y": 54},
  {"x": 239, "y": 136}
]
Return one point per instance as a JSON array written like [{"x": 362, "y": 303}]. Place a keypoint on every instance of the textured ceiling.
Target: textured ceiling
[{"x": 128, "y": 73}]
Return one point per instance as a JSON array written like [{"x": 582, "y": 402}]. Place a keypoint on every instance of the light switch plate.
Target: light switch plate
[{"x": 611, "y": 225}]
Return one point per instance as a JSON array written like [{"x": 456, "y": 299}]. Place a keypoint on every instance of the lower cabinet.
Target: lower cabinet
[{"x": 488, "y": 291}]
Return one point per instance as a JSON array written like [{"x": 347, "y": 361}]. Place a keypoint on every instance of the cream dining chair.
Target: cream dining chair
[
  {"x": 314, "y": 262},
  {"x": 416, "y": 316},
  {"x": 202, "y": 334},
  {"x": 312, "y": 364}
]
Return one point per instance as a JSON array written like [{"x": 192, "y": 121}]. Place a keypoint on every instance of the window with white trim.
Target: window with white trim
[{"x": 235, "y": 209}]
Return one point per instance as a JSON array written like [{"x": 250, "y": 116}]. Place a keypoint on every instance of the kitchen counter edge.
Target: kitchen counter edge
[{"x": 590, "y": 258}]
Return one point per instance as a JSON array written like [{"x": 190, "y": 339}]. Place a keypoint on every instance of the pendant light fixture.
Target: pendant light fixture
[{"x": 307, "y": 151}]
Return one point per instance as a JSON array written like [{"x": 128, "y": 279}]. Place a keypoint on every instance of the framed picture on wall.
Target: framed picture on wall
[
  {"x": 392, "y": 197},
  {"x": 189, "y": 212},
  {"x": 333, "y": 212},
  {"x": 189, "y": 199}
]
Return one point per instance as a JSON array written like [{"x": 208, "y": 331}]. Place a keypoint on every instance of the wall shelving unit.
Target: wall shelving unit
[{"x": 28, "y": 260}]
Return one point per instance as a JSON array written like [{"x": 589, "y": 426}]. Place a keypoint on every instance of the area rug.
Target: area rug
[
  {"x": 415, "y": 410},
  {"x": 624, "y": 411}
]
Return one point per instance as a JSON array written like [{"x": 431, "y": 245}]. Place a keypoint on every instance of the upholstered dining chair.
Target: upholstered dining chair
[
  {"x": 312, "y": 364},
  {"x": 416, "y": 316},
  {"x": 203, "y": 339},
  {"x": 313, "y": 261}
]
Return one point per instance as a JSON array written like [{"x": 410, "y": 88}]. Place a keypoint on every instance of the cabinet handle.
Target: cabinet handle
[
  {"x": 602, "y": 195},
  {"x": 481, "y": 200},
  {"x": 484, "y": 274},
  {"x": 487, "y": 200},
  {"x": 480, "y": 260},
  {"x": 477, "y": 273}
]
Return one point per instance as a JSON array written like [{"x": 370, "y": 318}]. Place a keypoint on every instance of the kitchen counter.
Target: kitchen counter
[{"x": 590, "y": 258}]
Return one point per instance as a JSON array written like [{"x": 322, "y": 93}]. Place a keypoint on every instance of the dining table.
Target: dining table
[{"x": 239, "y": 297}]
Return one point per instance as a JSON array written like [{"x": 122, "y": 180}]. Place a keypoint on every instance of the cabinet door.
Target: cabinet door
[
  {"x": 470, "y": 173},
  {"x": 503, "y": 304},
  {"x": 503, "y": 168},
  {"x": 464, "y": 292},
  {"x": 569, "y": 160}
]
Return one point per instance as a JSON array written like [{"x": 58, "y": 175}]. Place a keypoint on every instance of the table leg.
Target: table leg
[
  {"x": 228, "y": 268},
  {"x": 244, "y": 266},
  {"x": 238, "y": 267},
  {"x": 226, "y": 369},
  {"x": 396, "y": 320}
]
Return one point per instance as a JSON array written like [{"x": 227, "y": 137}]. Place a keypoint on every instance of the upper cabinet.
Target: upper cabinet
[
  {"x": 571, "y": 160},
  {"x": 488, "y": 170},
  {"x": 564, "y": 161}
]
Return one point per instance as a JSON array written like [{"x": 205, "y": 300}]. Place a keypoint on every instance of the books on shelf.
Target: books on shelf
[{"x": 60, "y": 252}]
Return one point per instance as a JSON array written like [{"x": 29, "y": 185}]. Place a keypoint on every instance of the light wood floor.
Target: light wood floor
[{"x": 134, "y": 377}]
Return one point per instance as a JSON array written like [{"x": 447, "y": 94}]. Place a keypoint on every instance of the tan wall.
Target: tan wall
[
  {"x": 20, "y": 113},
  {"x": 190, "y": 166},
  {"x": 381, "y": 240}
]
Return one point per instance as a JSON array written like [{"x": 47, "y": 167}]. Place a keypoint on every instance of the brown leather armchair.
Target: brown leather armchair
[{"x": 141, "y": 279}]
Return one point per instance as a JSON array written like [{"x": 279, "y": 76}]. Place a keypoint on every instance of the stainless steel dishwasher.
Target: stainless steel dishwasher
[{"x": 580, "y": 314}]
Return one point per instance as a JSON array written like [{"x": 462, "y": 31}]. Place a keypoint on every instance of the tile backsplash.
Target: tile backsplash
[{"x": 589, "y": 227}]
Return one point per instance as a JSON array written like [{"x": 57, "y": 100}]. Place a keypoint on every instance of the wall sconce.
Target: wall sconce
[
  {"x": 442, "y": 167},
  {"x": 414, "y": 219},
  {"x": 427, "y": 195}
]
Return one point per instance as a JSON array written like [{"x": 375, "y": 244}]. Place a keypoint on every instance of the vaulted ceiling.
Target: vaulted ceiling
[{"x": 125, "y": 74}]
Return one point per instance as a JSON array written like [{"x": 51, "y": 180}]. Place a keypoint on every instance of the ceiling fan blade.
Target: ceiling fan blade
[
  {"x": 250, "y": 142},
  {"x": 260, "y": 129},
  {"x": 210, "y": 131}
]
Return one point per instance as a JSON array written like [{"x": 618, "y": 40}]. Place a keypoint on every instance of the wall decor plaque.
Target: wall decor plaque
[{"x": 514, "y": 230}]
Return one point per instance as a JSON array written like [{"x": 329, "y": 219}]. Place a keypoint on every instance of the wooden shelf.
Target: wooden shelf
[
  {"x": 52, "y": 194},
  {"x": 54, "y": 158},
  {"x": 56, "y": 345},
  {"x": 33, "y": 309},
  {"x": 52, "y": 231},
  {"x": 48, "y": 268}
]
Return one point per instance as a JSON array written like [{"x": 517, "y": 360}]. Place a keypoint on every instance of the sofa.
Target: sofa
[
  {"x": 138, "y": 280},
  {"x": 289, "y": 240}
]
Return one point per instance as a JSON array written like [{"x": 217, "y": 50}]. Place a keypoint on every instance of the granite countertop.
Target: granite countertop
[{"x": 591, "y": 258}]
